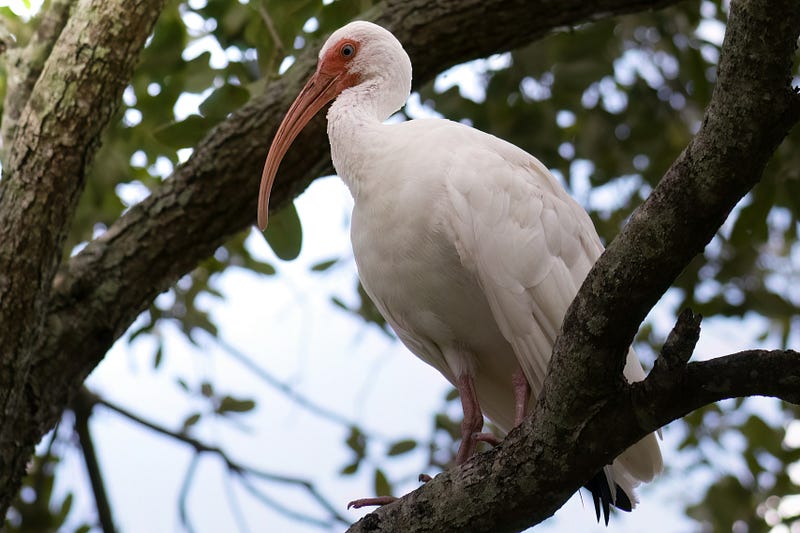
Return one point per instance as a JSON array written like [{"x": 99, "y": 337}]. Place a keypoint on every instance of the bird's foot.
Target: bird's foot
[
  {"x": 488, "y": 438},
  {"x": 381, "y": 500},
  {"x": 367, "y": 502}
]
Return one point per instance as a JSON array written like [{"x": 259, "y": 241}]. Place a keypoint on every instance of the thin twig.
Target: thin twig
[
  {"x": 39, "y": 479},
  {"x": 273, "y": 32},
  {"x": 312, "y": 491},
  {"x": 241, "y": 470},
  {"x": 236, "y": 509},
  {"x": 289, "y": 392},
  {"x": 279, "y": 53},
  {"x": 83, "y": 410},
  {"x": 184, "y": 493},
  {"x": 274, "y": 504}
]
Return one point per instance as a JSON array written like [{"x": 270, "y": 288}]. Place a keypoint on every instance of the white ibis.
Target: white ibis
[{"x": 468, "y": 245}]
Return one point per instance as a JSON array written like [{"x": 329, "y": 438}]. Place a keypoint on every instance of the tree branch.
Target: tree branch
[
  {"x": 23, "y": 66},
  {"x": 567, "y": 439},
  {"x": 773, "y": 373},
  {"x": 83, "y": 411},
  {"x": 58, "y": 131},
  {"x": 753, "y": 106},
  {"x": 680, "y": 343}
]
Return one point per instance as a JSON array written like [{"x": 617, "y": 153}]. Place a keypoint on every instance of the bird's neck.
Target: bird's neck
[{"x": 355, "y": 131}]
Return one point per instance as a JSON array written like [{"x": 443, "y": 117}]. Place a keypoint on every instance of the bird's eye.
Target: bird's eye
[{"x": 347, "y": 50}]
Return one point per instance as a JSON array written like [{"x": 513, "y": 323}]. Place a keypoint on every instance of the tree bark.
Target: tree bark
[{"x": 56, "y": 134}]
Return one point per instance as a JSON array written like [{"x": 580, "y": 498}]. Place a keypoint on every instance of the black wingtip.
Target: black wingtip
[{"x": 603, "y": 499}]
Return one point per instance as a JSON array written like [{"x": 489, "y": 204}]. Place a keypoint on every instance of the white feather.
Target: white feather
[{"x": 469, "y": 246}]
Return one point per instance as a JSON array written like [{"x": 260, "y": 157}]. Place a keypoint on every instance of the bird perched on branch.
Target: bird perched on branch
[{"x": 468, "y": 245}]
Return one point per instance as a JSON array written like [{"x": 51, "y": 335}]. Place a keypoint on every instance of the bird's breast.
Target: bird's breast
[{"x": 410, "y": 267}]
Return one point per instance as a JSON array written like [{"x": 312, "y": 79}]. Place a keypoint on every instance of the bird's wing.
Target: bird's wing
[{"x": 529, "y": 244}]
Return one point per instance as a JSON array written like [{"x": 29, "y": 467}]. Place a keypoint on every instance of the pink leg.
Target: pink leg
[
  {"x": 522, "y": 394},
  {"x": 470, "y": 435},
  {"x": 473, "y": 418}
]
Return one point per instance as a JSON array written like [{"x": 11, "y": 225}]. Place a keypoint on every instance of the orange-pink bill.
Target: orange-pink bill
[{"x": 319, "y": 90}]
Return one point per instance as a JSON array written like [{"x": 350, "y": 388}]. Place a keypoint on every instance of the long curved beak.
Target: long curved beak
[{"x": 319, "y": 90}]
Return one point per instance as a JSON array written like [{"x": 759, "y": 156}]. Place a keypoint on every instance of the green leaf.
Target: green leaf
[
  {"x": 400, "y": 447},
  {"x": 261, "y": 267},
  {"x": 157, "y": 358},
  {"x": 184, "y": 134},
  {"x": 147, "y": 328},
  {"x": 285, "y": 234},
  {"x": 61, "y": 516},
  {"x": 382, "y": 486},
  {"x": 207, "y": 389},
  {"x": 199, "y": 75},
  {"x": 356, "y": 441},
  {"x": 230, "y": 404},
  {"x": 445, "y": 423},
  {"x": 350, "y": 469},
  {"x": 224, "y": 100},
  {"x": 190, "y": 421},
  {"x": 324, "y": 265}
]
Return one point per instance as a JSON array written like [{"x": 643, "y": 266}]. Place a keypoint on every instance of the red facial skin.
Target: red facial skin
[{"x": 330, "y": 79}]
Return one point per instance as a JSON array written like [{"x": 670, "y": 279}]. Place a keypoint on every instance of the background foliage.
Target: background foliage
[{"x": 607, "y": 105}]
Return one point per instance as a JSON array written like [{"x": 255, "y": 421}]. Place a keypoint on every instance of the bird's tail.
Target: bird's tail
[
  {"x": 614, "y": 485},
  {"x": 604, "y": 497}
]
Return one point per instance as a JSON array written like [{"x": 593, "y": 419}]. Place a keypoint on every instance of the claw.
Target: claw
[
  {"x": 488, "y": 438},
  {"x": 367, "y": 502}
]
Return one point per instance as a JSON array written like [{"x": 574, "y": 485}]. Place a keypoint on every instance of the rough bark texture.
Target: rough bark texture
[
  {"x": 57, "y": 327},
  {"x": 24, "y": 65},
  {"x": 49, "y": 147}
]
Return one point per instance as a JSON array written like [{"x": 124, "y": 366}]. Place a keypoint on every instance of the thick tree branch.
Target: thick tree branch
[
  {"x": 753, "y": 106},
  {"x": 72, "y": 100},
  {"x": 752, "y": 109},
  {"x": 23, "y": 66},
  {"x": 509, "y": 488},
  {"x": 773, "y": 373},
  {"x": 587, "y": 414}
]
